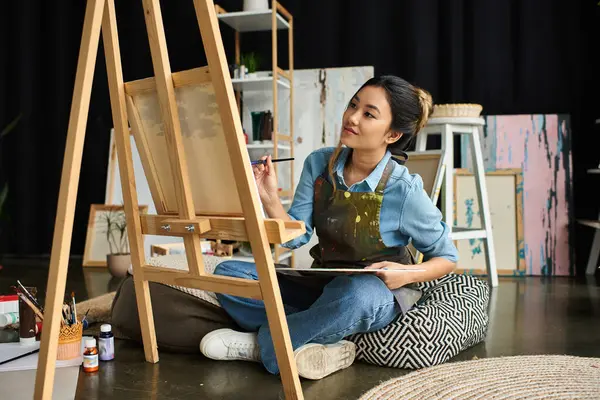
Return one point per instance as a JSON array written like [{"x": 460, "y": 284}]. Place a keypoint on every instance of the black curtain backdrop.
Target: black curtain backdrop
[{"x": 513, "y": 57}]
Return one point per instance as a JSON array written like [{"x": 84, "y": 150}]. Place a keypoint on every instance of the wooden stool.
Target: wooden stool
[{"x": 447, "y": 128}]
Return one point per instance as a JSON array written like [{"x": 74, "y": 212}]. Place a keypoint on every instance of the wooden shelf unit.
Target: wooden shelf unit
[{"x": 274, "y": 19}]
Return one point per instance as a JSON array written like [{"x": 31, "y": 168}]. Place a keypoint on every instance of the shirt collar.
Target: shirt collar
[{"x": 373, "y": 179}]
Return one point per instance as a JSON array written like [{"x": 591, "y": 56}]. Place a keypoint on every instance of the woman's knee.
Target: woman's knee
[
  {"x": 365, "y": 291},
  {"x": 236, "y": 269}
]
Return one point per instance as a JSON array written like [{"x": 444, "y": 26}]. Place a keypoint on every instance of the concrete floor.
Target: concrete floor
[{"x": 527, "y": 316}]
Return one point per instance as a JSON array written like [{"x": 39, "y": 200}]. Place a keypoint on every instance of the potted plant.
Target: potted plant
[
  {"x": 115, "y": 228},
  {"x": 250, "y": 61},
  {"x": 3, "y": 184}
]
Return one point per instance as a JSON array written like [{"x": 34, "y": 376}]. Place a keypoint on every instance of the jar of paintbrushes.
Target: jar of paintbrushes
[{"x": 71, "y": 332}]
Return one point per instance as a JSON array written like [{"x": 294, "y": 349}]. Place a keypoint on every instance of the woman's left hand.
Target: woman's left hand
[{"x": 394, "y": 280}]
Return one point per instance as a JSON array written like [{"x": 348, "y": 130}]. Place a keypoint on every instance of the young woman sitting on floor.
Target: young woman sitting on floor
[{"x": 366, "y": 207}]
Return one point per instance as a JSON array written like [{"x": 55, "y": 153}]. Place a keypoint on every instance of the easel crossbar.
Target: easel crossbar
[
  {"x": 221, "y": 228},
  {"x": 218, "y": 284},
  {"x": 194, "y": 76}
]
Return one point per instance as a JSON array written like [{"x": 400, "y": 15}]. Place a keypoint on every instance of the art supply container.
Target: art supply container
[
  {"x": 8, "y": 319},
  {"x": 106, "y": 343},
  {"x": 69, "y": 341},
  {"x": 257, "y": 125},
  {"x": 26, "y": 323},
  {"x": 90, "y": 356}
]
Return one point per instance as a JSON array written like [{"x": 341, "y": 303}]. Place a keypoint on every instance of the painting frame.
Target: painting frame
[
  {"x": 432, "y": 182},
  {"x": 517, "y": 174},
  {"x": 92, "y": 235}
]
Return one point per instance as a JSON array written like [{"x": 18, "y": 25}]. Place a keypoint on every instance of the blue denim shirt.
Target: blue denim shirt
[{"x": 407, "y": 212}]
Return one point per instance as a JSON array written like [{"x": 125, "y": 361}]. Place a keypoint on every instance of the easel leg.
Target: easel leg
[
  {"x": 448, "y": 154},
  {"x": 592, "y": 264},
  {"x": 172, "y": 127},
  {"x": 119, "y": 111},
  {"x": 65, "y": 215},
  {"x": 484, "y": 208},
  {"x": 217, "y": 62}
]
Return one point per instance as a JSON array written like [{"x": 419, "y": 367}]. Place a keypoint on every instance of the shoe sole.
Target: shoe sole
[
  {"x": 218, "y": 332},
  {"x": 316, "y": 361}
]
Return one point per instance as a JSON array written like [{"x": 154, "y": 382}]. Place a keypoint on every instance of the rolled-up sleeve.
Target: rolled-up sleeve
[
  {"x": 301, "y": 208},
  {"x": 422, "y": 221}
]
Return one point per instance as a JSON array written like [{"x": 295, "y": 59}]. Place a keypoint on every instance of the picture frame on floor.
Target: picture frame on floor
[
  {"x": 97, "y": 246},
  {"x": 505, "y": 193}
]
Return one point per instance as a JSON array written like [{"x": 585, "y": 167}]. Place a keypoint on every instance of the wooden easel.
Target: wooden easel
[{"x": 179, "y": 212}]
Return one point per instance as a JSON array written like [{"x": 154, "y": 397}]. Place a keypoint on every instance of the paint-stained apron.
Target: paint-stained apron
[{"x": 348, "y": 227}]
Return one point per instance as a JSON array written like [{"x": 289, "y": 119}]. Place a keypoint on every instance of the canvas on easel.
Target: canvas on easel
[{"x": 187, "y": 127}]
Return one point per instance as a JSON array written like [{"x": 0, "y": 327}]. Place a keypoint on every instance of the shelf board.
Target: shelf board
[
  {"x": 589, "y": 222},
  {"x": 252, "y": 146},
  {"x": 593, "y": 171},
  {"x": 252, "y": 21},
  {"x": 258, "y": 84}
]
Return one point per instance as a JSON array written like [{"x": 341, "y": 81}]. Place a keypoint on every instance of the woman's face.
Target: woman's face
[{"x": 366, "y": 121}]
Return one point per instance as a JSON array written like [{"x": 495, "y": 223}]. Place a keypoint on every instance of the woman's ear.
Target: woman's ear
[{"x": 393, "y": 137}]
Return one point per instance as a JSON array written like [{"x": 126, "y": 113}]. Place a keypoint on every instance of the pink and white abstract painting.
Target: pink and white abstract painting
[{"x": 540, "y": 145}]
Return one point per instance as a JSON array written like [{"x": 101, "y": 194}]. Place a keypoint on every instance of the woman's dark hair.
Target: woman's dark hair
[{"x": 411, "y": 107}]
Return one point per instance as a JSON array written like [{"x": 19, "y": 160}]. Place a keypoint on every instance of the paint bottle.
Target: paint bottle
[
  {"x": 26, "y": 323},
  {"x": 90, "y": 356},
  {"x": 8, "y": 319},
  {"x": 106, "y": 343}
]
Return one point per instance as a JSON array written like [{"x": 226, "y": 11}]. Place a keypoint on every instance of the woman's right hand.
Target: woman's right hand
[{"x": 266, "y": 180}]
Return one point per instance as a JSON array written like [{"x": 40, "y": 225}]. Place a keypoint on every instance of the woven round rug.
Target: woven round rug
[{"x": 518, "y": 377}]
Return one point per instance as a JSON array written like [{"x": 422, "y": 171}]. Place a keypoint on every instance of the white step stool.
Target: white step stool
[
  {"x": 593, "y": 262},
  {"x": 447, "y": 128}
]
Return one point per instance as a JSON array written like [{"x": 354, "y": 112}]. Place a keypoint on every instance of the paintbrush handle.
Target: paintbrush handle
[
  {"x": 33, "y": 307},
  {"x": 29, "y": 295},
  {"x": 264, "y": 162}
]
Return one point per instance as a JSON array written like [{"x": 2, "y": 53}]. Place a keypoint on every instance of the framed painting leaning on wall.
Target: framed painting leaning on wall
[
  {"x": 505, "y": 193},
  {"x": 104, "y": 233}
]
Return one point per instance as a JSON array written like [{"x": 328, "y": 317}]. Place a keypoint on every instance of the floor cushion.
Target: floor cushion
[{"x": 450, "y": 317}]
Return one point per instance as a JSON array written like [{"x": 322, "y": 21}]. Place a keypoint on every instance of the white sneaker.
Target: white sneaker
[
  {"x": 316, "y": 361},
  {"x": 227, "y": 344}
]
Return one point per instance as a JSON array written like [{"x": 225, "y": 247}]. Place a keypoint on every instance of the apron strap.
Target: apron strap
[
  {"x": 387, "y": 172},
  {"x": 401, "y": 158}
]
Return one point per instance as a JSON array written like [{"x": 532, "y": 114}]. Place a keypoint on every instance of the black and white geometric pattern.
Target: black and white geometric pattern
[{"x": 450, "y": 317}]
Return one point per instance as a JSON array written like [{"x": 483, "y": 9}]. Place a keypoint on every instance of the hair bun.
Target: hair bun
[{"x": 426, "y": 103}]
